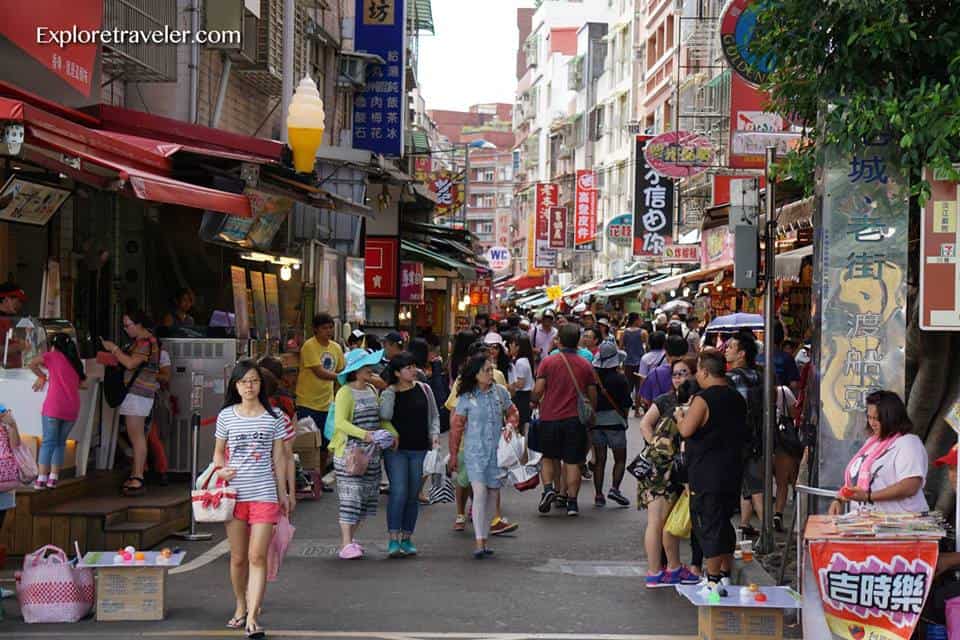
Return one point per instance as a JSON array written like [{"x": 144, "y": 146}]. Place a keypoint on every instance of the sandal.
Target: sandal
[
  {"x": 255, "y": 631},
  {"x": 134, "y": 486},
  {"x": 237, "y": 622}
]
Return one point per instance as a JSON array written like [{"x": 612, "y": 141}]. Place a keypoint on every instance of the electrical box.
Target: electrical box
[{"x": 746, "y": 256}]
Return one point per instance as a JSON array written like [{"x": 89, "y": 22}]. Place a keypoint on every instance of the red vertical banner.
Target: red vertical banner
[
  {"x": 411, "y": 282},
  {"x": 544, "y": 257},
  {"x": 380, "y": 258},
  {"x": 939, "y": 262},
  {"x": 558, "y": 227},
  {"x": 585, "y": 223}
]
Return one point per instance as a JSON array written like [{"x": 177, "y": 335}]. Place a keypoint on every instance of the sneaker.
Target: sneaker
[
  {"x": 561, "y": 503},
  {"x": 460, "y": 524},
  {"x": 680, "y": 575},
  {"x": 407, "y": 547},
  {"x": 501, "y": 526},
  {"x": 572, "y": 508},
  {"x": 394, "y": 550},
  {"x": 655, "y": 580},
  {"x": 38, "y": 485},
  {"x": 619, "y": 498},
  {"x": 778, "y": 522},
  {"x": 547, "y": 500},
  {"x": 599, "y": 501},
  {"x": 351, "y": 551},
  {"x": 52, "y": 483}
]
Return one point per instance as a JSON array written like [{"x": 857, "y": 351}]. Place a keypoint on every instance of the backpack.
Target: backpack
[
  {"x": 114, "y": 389},
  {"x": 752, "y": 379}
]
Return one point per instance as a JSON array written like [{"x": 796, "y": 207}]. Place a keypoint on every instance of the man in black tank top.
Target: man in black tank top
[{"x": 713, "y": 428}]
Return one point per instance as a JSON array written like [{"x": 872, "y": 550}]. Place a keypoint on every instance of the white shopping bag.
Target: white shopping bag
[{"x": 434, "y": 463}]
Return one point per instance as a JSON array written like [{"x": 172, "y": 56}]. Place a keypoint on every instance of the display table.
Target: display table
[
  {"x": 865, "y": 584},
  {"x": 131, "y": 590},
  {"x": 739, "y": 614},
  {"x": 16, "y": 392}
]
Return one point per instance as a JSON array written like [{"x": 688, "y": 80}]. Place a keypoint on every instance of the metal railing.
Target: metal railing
[{"x": 145, "y": 61}]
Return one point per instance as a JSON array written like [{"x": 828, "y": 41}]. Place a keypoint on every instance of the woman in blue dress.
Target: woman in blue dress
[{"x": 484, "y": 412}]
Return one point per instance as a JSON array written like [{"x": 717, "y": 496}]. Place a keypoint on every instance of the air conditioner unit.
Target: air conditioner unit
[{"x": 225, "y": 16}]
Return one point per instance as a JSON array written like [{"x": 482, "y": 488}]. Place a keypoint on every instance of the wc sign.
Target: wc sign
[{"x": 498, "y": 257}]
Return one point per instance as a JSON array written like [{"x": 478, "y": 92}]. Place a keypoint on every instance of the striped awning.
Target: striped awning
[{"x": 420, "y": 14}]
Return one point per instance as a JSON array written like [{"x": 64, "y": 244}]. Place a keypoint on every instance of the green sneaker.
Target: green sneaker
[
  {"x": 407, "y": 547},
  {"x": 395, "y": 550}
]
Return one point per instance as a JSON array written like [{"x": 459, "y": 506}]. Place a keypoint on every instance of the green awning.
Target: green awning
[
  {"x": 717, "y": 80},
  {"x": 420, "y": 252},
  {"x": 620, "y": 291},
  {"x": 417, "y": 141},
  {"x": 420, "y": 13}
]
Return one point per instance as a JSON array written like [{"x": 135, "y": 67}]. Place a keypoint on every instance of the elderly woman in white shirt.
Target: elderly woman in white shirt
[{"x": 889, "y": 471}]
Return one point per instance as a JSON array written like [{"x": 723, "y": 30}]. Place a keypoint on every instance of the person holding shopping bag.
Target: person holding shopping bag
[
  {"x": 356, "y": 452},
  {"x": 250, "y": 456},
  {"x": 62, "y": 368},
  {"x": 410, "y": 407},
  {"x": 484, "y": 412}
]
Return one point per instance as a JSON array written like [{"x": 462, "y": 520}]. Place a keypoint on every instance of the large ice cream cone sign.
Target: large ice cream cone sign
[{"x": 305, "y": 125}]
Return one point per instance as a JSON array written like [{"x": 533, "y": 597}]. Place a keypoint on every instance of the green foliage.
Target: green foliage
[{"x": 883, "y": 66}]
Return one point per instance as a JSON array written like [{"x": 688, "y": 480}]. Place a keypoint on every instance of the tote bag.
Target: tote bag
[
  {"x": 213, "y": 505},
  {"x": 678, "y": 523},
  {"x": 49, "y": 589}
]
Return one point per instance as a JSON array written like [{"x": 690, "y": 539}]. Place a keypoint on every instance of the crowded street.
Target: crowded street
[{"x": 480, "y": 319}]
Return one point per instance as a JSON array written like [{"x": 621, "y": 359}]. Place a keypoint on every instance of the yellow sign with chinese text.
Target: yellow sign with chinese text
[
  {"x": 945, "y": 216},
  {"x": 379, "y": 12}
]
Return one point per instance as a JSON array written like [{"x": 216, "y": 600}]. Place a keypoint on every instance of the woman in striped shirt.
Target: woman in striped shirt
[{"x": 250, "y": 453}]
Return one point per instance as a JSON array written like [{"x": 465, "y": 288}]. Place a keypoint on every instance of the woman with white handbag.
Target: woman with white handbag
[{"x": 250, "y": 456}]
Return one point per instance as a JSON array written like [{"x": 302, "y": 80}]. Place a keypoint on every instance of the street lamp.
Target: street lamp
[{"x": 305, "y": 125}]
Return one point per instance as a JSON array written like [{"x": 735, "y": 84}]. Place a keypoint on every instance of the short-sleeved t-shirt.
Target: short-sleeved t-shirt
[
  {"x": 542, "y": 339},
  {"x": 250, "y": 452},
  {"x": 651, "y": 360},
  {"x": 63, "y": 383},
  {"x": 146, "y": 384},
  {"x": 785, "y": 367},
  {"x": 522, "y": 369},
  {"x": 906, "y": 458},
  {"x": 559, "y": 401},
  {"x": 312, "y": 392}
]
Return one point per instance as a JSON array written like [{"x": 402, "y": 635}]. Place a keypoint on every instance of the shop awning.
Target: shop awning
[
  {"x": 11, "y": 109},
  {"x": 422, "y": 252},
  {"x": 623, "y": 290},
  {"x": 578, "y": 290},
  {"x": 164, "y": 149},
  {"x": 525, "y": 281},
  {"x": 421, "y": 15},
  {"x": 666, "y": 284},
  {"x": 788, "y": 263}
]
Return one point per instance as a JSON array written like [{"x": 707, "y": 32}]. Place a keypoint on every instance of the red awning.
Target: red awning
[
  {"x": 525, "y": 281},
  {"x": 108, "y": 166},
  {"x": 11, "y": 109},
  {"x": 163, "y": 149}
]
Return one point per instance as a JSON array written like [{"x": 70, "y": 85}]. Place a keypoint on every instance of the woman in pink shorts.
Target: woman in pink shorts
[{"x": 249, "y": 449}]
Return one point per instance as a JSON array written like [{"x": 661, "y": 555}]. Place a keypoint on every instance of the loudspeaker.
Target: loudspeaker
[{"x": 746, "y": 256}]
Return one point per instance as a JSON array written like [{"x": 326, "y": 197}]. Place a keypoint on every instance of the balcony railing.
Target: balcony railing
[{"x": 142, "y": 62}]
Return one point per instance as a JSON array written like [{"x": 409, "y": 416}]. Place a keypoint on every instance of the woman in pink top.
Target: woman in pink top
[{"x": 62, "y": 369}]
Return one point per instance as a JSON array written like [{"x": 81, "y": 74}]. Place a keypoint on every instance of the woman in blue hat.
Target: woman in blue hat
[{"x": 356, "y": 423}]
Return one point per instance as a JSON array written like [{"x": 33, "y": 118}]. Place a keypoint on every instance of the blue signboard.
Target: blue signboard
[{"x": 378, "y": 111}]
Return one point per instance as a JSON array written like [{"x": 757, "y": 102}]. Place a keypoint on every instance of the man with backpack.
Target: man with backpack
[{"x": 740, "y": 353}]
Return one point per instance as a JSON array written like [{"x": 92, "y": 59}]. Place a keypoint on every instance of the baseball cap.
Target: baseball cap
[
  {"x": 604, "y": 322},
  {"x": 949, "y": 459},
  {"x": 10, "y": 290},
  {"x": 394, "y": 337},
  {"x": 548, "y": 314},
  {"x": 356, "y": 334}
]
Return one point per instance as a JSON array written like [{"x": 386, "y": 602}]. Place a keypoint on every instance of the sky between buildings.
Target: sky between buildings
[{"x": 472, "y": 59}]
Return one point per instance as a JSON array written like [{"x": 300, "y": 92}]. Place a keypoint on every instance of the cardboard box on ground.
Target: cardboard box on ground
[
  {"x": 308, "y": 447},
  {"x": 742, "y": 623},
  {"x": 131, "y": 593}
]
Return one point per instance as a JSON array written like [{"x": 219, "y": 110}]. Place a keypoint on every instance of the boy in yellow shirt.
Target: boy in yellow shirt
[{"x": 320, "y": 360}]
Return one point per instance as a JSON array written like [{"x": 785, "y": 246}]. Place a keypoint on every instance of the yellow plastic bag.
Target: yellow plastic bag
[{"x": 678, "y": 522}]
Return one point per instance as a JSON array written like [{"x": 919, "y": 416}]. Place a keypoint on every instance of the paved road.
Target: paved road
[{"x": 557, "y": 577}]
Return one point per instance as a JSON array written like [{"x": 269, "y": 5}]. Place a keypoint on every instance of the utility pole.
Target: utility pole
[
  {"x": 466, "y": 182},
  {"x": 769, "y": 374}
]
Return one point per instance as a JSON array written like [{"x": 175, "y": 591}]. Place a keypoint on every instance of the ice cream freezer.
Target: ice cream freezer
[{"x": 207, "y": 362}]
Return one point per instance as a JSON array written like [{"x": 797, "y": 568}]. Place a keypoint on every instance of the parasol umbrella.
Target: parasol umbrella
[
  {"x": 679, "y": 305},
  {"x": 736, "y": 321}
]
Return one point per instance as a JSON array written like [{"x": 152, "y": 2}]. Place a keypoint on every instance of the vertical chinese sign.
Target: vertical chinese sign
[
  {"x": 380, "y": 260},
  {"x": 411, "y": 283},
  {"x": 544, "y": 257},
  {"x": 241, "y": 310},
  {"x": 558, "y": 227},
  {"x": 939, "y": 265},
  {"x": 860, "y": 294},
  {"x": 356, "y": 308},
  {"x": 449, "y": 191},
  {"x": 652, "y": 208},
  {"x": 378, "y": 122},
  {"x": 585, "y": 222},
  {"x": 874, "y": 590}
]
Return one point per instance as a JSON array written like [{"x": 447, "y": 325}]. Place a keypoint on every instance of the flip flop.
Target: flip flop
[
  {"x": 256, "y": 631},
  {"x": 237, "y": 622}
]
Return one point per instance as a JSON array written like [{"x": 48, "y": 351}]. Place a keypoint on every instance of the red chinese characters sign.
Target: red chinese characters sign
[
  {"x": 558, "y": 227},
  {"x": 37, "y": 26},
  {"x": 449, "y": 191},
  {"x": 585, "y": 224},
  {"x": 544, "y": 256},
  {"x": 874, "y": 590},
  {"x": 480, "y": 291},
  {"x": 939, "y": 264},
  {"x": 411, "y": 283},
  {"x": 381, "y": 258}
]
